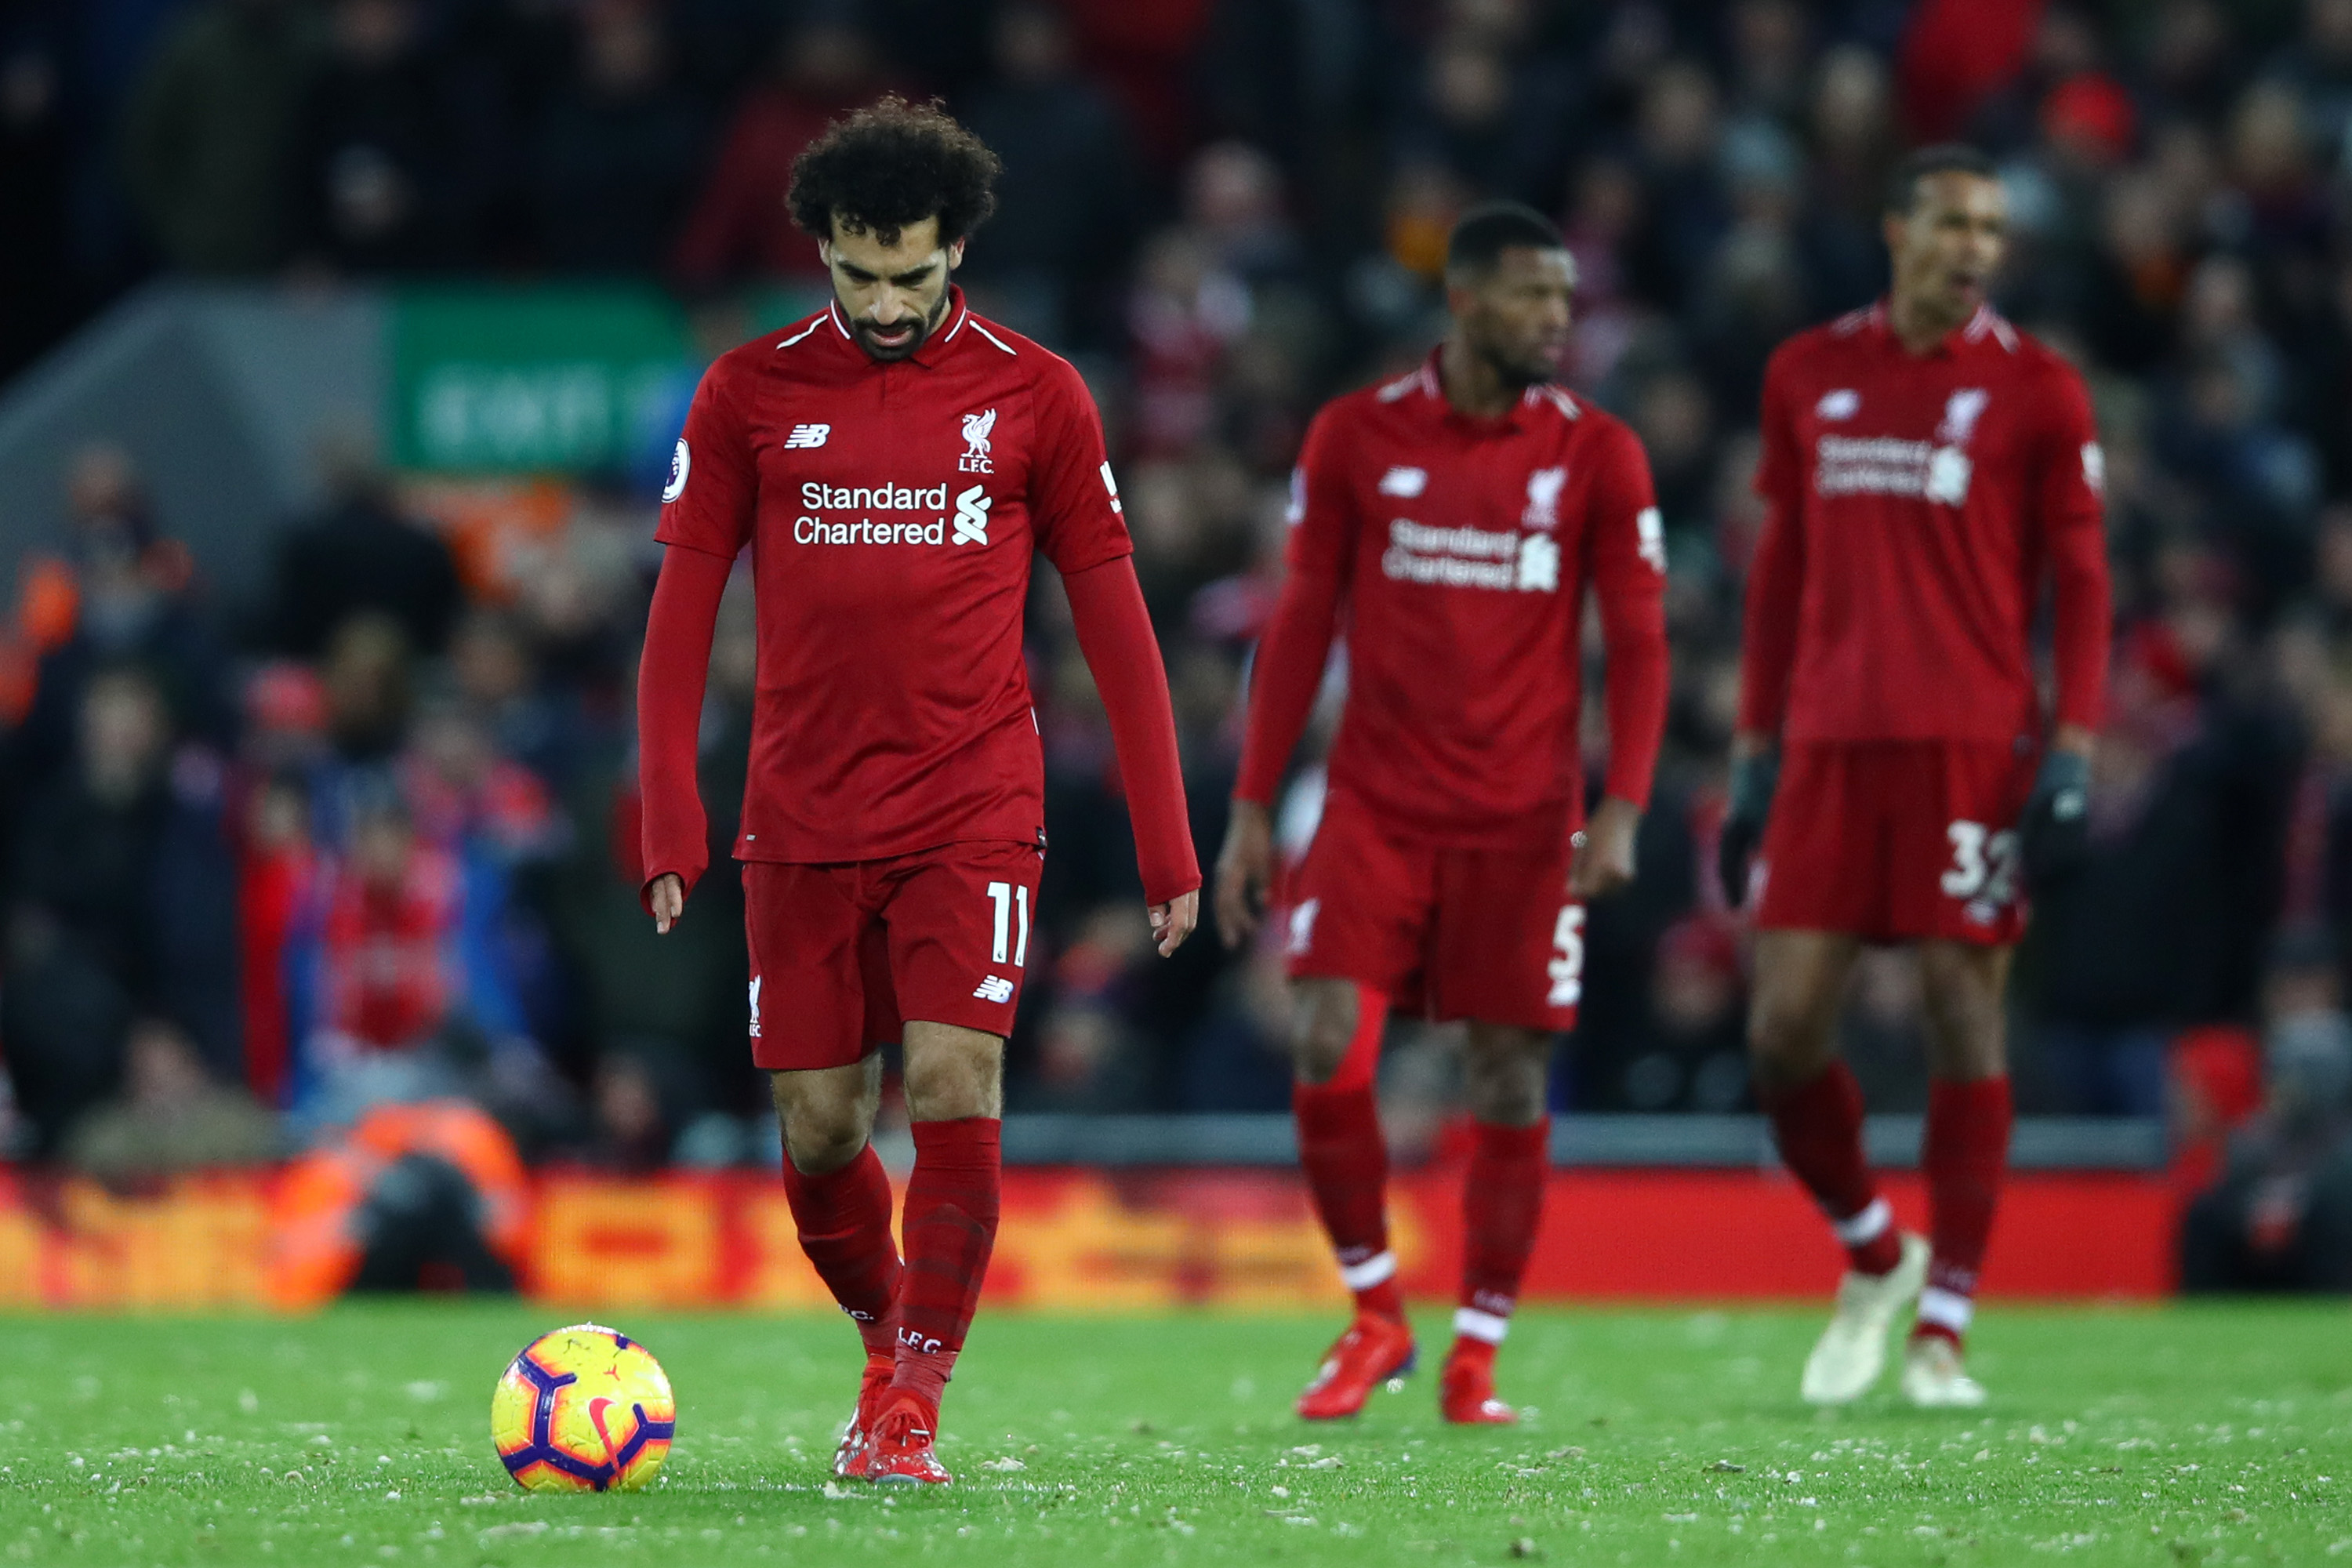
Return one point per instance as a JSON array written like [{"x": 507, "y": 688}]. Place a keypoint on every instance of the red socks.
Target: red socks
[
  {"x": 1819, "y": 1128},
  {"x": 1502, "y": 1202},
  {"x": 1966, "y": 1153},
  {"x": 844, "y": 1218},
  {"x": 1347, "y": 1164},
  {"x": 951, "y": 1205}
]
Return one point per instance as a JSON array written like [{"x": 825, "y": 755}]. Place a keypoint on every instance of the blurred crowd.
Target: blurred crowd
[{"x": 382, "y": 824}]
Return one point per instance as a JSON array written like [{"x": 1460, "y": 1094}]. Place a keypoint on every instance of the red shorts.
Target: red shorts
[
  {"x": 1897, "y": 841},
  {"x": 1488, "y": 934},
  {"x": 842, "y": 955}
]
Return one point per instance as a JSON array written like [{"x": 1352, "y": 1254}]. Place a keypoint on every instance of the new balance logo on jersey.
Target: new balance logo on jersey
[
  {"x": 976, "y": 429},
  {"x": 995, "y": 988},
  {"x": 1843, "y": 403},
  {"x": 1302, "y": 926},
  {"x": 972, "y": 516},
  {"x": 806, "y": 435},
  {"x": 1543, "y": 498},
  {"x": 755, "y": 1006},
  {"x": 1405, "y": 482}
]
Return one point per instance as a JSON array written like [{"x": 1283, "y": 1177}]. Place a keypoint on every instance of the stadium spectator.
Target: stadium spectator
[
  {"x": 171, "y": 1116},
  {"x": 614, "y": 163},
  {"x": 121, "y": 591},
  {"x": 739, "y": 229},
  {"x": 1067, "y": 210},
  {"x": 208, "y": 137},
  {"x": 118, "y": 891},
  {"x": 388, "y": 167},
  {"x": 2279, "y": 1218},
  {"x": 360, "y": 552}
]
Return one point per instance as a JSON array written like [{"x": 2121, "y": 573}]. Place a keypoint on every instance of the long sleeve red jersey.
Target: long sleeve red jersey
[
  {"x": 1454, "y": 554},
  {"x": 1916, "y": 505},
  {"x": 892, "y": 510}
]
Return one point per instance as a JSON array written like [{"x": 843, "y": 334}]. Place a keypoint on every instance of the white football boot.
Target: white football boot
[
  {"x": 1851, "y": 1352},
  {"x": 1932, "y": 1378}
]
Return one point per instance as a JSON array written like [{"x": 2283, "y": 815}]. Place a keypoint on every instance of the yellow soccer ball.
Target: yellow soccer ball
[{"x": 583, "y": 1409}]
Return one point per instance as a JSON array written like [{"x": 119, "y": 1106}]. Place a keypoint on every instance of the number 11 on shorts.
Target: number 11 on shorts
[{"x": 1007, "y": 897}]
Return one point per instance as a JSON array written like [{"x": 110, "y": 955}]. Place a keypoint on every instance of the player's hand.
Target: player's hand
[
  {"x": 668, "y": 901},
  {"x": 1755, "y": 776},
  {"x": 1172, "y": 921},
  {"x": 1603, "y": 861},
  {"x": 1245, "y": 871},
  {"x": 2055, "y": 834}
]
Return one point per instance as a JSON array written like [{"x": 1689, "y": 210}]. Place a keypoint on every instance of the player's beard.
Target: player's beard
[
  {"x": 861, "y": 330},
  {"x": 1516, "y": 368}
]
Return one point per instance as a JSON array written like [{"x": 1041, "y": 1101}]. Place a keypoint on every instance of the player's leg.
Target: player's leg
[
  {"x": 1816, "y": 1110},
  {"x": 806, "y": 928},
  {"x": 1355, "y": 928},
  {"x": 1964, "y": 1155},
  {"x": 955, "y": 1100},
  {"x": 1506, "y": 1070},
  {"x": 1335, "y": 1046},
  {"x": 959, "y": 922}
]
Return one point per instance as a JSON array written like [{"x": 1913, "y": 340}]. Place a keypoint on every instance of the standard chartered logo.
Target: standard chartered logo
[
  {"x": 814, "y": 527},
  {"x": 972, "y": 516}
]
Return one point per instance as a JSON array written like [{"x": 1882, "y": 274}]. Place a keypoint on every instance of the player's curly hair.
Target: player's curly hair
[{"x": 890, "y": 164}]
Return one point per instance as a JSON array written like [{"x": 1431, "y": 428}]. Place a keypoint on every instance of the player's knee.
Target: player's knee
[
  {"x": 955, "y": 1080},
  {"x": 1785, "y": 1042},
  {"x": 1319, "y": 1041},
  {"x": 820, "y": 1143}
]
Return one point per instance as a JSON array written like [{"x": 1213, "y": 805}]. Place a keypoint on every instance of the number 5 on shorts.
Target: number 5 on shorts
[
  {"x": 1005, "y": 896},
  {"x": 1567, "y": 965}
]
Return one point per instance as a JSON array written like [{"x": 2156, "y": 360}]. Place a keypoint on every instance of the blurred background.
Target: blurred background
[{"x": 343, "y": 343}]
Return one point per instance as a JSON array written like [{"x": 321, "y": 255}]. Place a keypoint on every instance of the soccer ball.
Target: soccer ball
[{"x": 583, "y": 1409}]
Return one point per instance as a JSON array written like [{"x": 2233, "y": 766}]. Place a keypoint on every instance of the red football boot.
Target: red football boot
[
  {"x": 849, "y": 1458},
  {"x": 900, "y": 1447},
  {"x": 1465, "y": 1392},
  {"x": 1373, "y": 1350}
]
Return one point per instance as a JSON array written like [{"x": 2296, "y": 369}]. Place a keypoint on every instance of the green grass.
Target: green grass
[{"x": 2185, "y": 1435}]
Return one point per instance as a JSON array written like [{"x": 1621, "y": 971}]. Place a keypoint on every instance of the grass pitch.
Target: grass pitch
[{"x": 2180, "y": 1435}]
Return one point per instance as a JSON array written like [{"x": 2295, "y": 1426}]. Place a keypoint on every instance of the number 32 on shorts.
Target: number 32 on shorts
[
  {"x": 1984, "y": 864},
  {"x": 1566, "y": 966}
]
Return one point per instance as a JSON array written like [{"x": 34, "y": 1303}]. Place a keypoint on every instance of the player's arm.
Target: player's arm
[
  {"x": 705, "y": 517},
  {"x": 2069, "y": 498},
  {"x": 1286, "y": 674},
  {"x": 1076, "y": 511},
  {"x": 1768, "y": 654},
  {"x": 1625, "y": 547}
]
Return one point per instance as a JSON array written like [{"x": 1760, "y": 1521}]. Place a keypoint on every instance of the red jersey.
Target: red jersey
[
  {"x": 1454, "y": 554},
  {"x": 892, "y": 508},
  {"x": 1917, "y": 502}
]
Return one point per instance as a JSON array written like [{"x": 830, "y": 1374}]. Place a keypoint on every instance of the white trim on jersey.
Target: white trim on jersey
[
  {"x": 839, "y": 320},
  {"x": 992, "y": 337},
  {"x": 803, "y": 333},
  {"x": 961, "y": 317}
]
